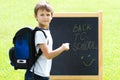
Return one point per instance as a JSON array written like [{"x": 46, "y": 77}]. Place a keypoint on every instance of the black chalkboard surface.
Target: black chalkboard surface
[{"x": 82, "y": 34}]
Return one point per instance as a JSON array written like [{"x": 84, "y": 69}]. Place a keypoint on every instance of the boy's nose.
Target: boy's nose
[{"x": 45, "y": 17}]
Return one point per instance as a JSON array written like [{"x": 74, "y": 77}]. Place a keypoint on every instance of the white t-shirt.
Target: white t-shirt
[{"x": 43, "y": 65}]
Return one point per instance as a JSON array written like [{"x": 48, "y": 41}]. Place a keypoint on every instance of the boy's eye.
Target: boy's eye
[
  {"x": 48, "y": 14},
  {"x": 42, "y": 15}
]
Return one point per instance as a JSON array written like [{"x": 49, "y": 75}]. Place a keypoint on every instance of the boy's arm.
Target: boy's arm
[{"x": 51, "y": 54}]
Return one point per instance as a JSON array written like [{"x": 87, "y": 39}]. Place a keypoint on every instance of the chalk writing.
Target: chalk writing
[
  {"x": 86, "y": 45},
  {"x": 87, "y": 62},
  {"x": 81, "y": 38},
  {"x": 82, "y": 28}
]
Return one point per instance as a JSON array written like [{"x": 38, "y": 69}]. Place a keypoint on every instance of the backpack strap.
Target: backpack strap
[
  {"x": 39, "y": 29},
  {"x": 39, "y": 52},
  {"x": 34, "y": 31}
]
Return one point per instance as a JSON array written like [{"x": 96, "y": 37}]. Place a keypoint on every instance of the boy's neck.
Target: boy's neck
[{"x": 43, "y": 27}]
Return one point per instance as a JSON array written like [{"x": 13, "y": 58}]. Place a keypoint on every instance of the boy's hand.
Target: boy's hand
[{"x": 65, "y": 46}]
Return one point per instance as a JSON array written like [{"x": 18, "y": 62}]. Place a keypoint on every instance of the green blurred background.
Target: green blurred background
[{"x": 15, "y": 14}]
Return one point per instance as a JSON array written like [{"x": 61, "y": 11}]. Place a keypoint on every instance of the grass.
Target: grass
[{"x": 15, "y": 14}]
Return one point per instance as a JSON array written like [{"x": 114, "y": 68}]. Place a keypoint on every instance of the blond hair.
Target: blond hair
[{"x": 43, "y": 6}]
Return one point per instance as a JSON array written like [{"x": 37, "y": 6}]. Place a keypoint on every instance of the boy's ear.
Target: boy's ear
[
  {"x": 35, "y": 17},
  {"x": 51, "y": 18}
]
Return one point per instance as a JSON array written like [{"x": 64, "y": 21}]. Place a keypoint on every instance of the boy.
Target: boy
[{"x": 43, "y": 14}]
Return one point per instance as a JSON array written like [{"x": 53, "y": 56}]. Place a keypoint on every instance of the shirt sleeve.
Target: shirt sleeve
[{"x": 39, "y": 38}]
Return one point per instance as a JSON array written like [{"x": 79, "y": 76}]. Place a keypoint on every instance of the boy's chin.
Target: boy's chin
[{"x": 44, "y": 25}]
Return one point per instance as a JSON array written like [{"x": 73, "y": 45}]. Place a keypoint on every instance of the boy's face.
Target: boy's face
[{"x": 44, "y": 18}]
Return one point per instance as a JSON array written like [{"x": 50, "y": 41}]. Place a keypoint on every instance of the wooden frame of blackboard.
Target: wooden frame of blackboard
[{"x": 84, "y": 77}]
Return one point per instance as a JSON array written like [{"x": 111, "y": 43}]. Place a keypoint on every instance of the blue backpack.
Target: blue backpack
[{"x": 23, "y": 55}]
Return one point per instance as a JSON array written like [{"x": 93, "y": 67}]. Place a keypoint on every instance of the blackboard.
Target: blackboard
[{"x": 83, "y": 35}]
